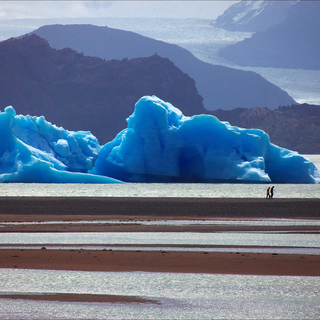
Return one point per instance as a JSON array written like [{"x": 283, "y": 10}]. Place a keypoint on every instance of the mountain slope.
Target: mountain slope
[
  {"x": 220, "y": 87},
  {"x": 253, "y": 16},
  {"x": 85, "y": 93},
  {"x": 293, "y": 43}
]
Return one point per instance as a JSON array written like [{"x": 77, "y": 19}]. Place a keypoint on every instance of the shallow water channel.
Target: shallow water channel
[
  {"x": 274, "y": 242},
  {"x": 282, "y": 241}
]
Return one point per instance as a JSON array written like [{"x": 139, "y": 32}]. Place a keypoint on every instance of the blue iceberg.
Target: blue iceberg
[
  {"x": 34, "y": 150},
  {"x": 162, "y": 145},
  {"x": 159, "y": 145}
]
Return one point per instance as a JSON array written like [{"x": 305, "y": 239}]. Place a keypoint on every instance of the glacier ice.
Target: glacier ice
[
  {"x": 162, "y": 145},
  {"x": 34, "y": 150},
  {"x": 159, "y": 145}
]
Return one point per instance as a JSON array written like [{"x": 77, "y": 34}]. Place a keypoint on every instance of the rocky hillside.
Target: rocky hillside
[
  {"x": 296, "y": 128},
  {"x": 85, "y": 93},
  {"x": 293, "y": 43},
  {"x": 221, "y": 87}
]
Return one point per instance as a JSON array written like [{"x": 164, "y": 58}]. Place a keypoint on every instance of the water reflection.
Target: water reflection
[{"x": 182, "y": 296}]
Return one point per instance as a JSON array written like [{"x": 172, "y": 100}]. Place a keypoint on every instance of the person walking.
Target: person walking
[
  {"x": 271, "y": 192},
  {"x": 268, "y": 193}
]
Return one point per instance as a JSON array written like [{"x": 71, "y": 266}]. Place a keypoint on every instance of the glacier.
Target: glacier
[
  {"x": 160, "y": 144},
  {"x": 34, "y": 150}
]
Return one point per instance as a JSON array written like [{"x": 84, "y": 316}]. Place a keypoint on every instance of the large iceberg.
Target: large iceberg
[
  {"x": 34, "y": 150},
  {"x": 159, "y": 145},
  {"x": 162, "y": 145}
]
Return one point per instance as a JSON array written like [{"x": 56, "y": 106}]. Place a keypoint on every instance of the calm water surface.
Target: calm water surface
[{"x": 159, "y": 190}]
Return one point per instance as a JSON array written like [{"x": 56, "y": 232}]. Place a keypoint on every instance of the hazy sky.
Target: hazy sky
[{"x": 209, "y": 9}]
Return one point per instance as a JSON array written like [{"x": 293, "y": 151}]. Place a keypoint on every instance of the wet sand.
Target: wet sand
[
  {"x": 134, "y": 206},
  {"x": 162, "y": 261},
  {"x": 73, "y": 297}
]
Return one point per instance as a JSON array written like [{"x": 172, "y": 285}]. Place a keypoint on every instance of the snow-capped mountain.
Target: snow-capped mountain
[
  {"x": 253, "y": 16},
  {"x": 292, "y": 43}
]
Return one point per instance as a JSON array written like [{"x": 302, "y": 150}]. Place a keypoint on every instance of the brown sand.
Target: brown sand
[
  {"x": 73, "y": 297},
  {"x": 163, "y": 261}
]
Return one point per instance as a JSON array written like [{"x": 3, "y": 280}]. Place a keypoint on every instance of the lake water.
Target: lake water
[
  {"x": 196, "y": 35},
  {"x": 180, "y": 296},
  {"x": 200, "y": 190}
]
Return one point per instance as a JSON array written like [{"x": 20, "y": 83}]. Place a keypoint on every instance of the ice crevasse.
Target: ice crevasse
[{"x": 160, "y": 144}]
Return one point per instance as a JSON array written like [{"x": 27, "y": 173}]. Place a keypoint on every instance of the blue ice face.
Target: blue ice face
[
  {"x": 162, "y": 145},
  {"x": 34, "y": 150},
  {"x": 159, "y": 145}
]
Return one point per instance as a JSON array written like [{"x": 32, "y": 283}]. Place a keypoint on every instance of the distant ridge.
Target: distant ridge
[{"x": 220, "y": 87}]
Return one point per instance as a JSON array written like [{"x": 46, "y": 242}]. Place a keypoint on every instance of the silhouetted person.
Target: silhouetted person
[
  {"x": 268, "y": 194},
  {"x": 271, "y": 192}
]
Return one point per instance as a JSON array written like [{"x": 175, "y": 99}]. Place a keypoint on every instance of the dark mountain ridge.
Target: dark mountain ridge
[
  {"x": 86, "y": 93},
  {"x": 220, "y": 87}
]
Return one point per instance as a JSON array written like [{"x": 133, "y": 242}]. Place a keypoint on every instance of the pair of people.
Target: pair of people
[{"x": 270, "y": 193}]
